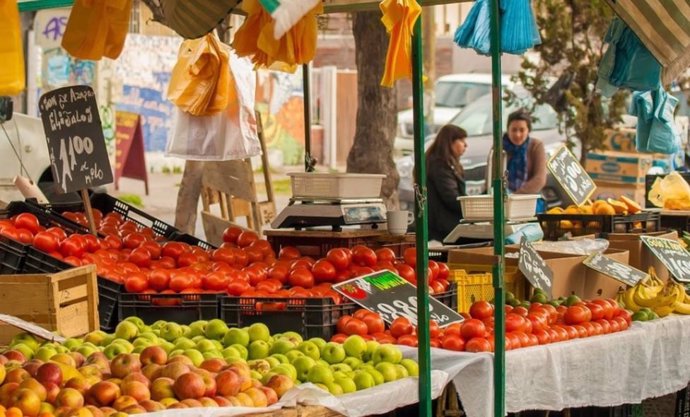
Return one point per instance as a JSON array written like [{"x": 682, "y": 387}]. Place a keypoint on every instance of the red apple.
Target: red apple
[
  {"x": 189, "y": 385},
  {"x": 124, "y": 364}
]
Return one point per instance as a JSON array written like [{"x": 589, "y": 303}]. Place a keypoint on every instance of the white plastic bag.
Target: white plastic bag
[{"x": 228, "y": 135}]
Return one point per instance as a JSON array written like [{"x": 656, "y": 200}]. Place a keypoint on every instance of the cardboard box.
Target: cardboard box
[
  {"x": 640, "y": 256},
  {"x": 620, "y": 140},
  {"x": 636, "y": 192},
  {"x": 618, "y": 167},
  {"x": 571, "y": 276}
]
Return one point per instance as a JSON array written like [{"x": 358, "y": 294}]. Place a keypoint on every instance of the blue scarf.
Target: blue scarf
[{"x": 517, "y": 163}]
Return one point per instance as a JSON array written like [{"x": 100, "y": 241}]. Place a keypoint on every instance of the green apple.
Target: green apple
[
  {"x": 285, "y": 369},
  {"x": 363, "y": 380},
  {"x": 339, "y": 374},
  {"x": 61, "y": 349},
  {"x": 311, "y": 349},
  {"x": 26, "y": 339},
  {"x": 114, "y": 349},
  {"x": 97, "y": 337},
  {"x": 185, "y": 329},
  {"x": 184, "y": 343},
  {"x": 323, "y": 362},
  {"x": 334, "y": 388},
  {"x": 216, "y": 329},
  {"x": 158, "y": 324},
  {"x": 244, "y": 352},
  {"x": 318, "y": 342},
  {"x": 320, "y": 374},
  {"x": 175, "y": 352},
  {"x": 255, "y": 375},
  {"x": 171, "y": 331},
  {"x": 272, "y": 360},
  {"x": 205, "y": 345},
  {"x": 378, "y": 376},
  {"x": 167, "y": 346},
  {"x": 107, "y": 340},
  {"x": 402, "y": 371},
  {"x": 258, "y": 349},
  {"x": 149, "y": 335},
  {"x": 126, "y": 343},
  {"x": 261, "y": 366},
  {"x": 230, "y": 352},
  {"x": 281, "y": 358},
  {"x": 72, "y": 343},
  {"x": 137, "y": 322},
  {"x": 302, "y": 365},
  {"x": 341, "y": 367},
  {"x": 141, "y": 343},
  {"x": 294, "y": 337},
  {"x": 267, "y": 377},
  {"x": 347, "y": 384},
  {"x": 236, "y": 336},
  {"x": 388, "y": 370},
  {"x": 355, "y": 346},
  {"x": 352, "y": 362},
  {"x": 218, "y": 344},
  {"x": 259, "y": 331},
  {"x": 126, "y": 330},
  {"x": 196, "y": 356},
  {"x": 372, "y": 345},
  {"x": 197, "y": 338},
  {"x": 212, "y": 354},
  {"x": 411, "y": 366},
  {"x": 197, "y": 328},
  {"x": 45, "y": 352},
  {"x": 87, "y": 349},
  {"x": 293, "y": 354},
  {"x": 333, "y": 353},
  {"x": 282, "y": 346},
  {"x": 387, "y": 353}
]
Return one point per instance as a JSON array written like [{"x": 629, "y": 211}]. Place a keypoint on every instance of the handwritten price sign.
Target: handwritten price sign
[
  {"x": 78, "y": 155},
  {"x": 391, "y": 296},
  {"x": 672, "y": 255},
  {"x": 535, "y": 269},
  {"x": 566, "y": 169},
  {"x": 622, "y": 272}
]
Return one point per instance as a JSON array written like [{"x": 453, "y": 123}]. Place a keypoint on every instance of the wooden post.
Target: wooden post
[{"x": 89, "y": 212}]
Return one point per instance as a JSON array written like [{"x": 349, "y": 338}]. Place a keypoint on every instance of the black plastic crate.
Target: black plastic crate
[
  {"x": 45, "y": 216},
  {"x": 180, "y": 308},
  {"x": 12, "y": 255},
  {"x": 557, "y": 226},
  {"x": 191, "y": 240},
  {"x": 310, "y": 317},
  {"x": 450, "y": 297}
]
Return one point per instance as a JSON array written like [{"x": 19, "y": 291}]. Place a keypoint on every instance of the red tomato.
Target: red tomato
[
  {"x": 520, "y": 311},
  {"x": 514, "y": 322},
  {"x": 153, "y": 247},
  {"x": 133, "y": 240},
  {"x": 231, "y": 234},
  {"x": 374, "y": 322},
  {"x": 581, "y": 331},
  {"x": 615, "y": 326},
  {"x": 453, "y": 342},
  {"x": 609, "y": 309},
  {"x": 136, "y": 282},
  {"x": 180, "y": 280},
  {"x": 159, "y": 279},
  {"x": 279, "y": 272},
  {"x": 437, "y": 286},
  {"x": 434, "y": 329},
  {"x": 407, "y": 340},
  {"x": 262, "y": 246},
  {"x": 214, "y": 281},
  {"x": 241, "y": 258},
  {"x": 410, "y": 256},
  {"x": 606, "y": 326},
  {"x": 481, "y": 310},
  {"x": 58, "y": 232},
  {"x": 355, "y": 326},
  {"x": 323, "y": 271},
  {"x": 301, "y": 277},
  {"x": 385, "y": 255},
  {"x": 443, "y": 271},
  {"x": 433, "y": 270},
  {"x": 289, "y": 252},
  {"x": 344, "y": 275},
  {"x": 472, "y": 328},
  {"x": 27, "y": 221},
  {"x": 269, "y": 285},
  {"x": 246, "y": 238},
  {"x": 363, "y": 256},
  {"x": 302, "y": 263},
  {"x": 226, "y": 255},
  {"x": 238, "y": 287},
  {"x": 622, "y": 322},
  {"x": 400, "y": 327},
  {"x": 24, "y": 236},
  {"x": 478, "y": 344},
  {"x": 597, "y": 310},
  {"x": 339, "y": 257},
  {"x": 342, "y": 321},
  {"x": 140, "y": 257},
  {"x": 74, "y": 245},
  {"x": 408, "y": 273},
  {"x": 46, "y": 242},
  {"x": 626, "y": 314},
  {"x": 577, "y": 315},
  {"x": 73, "y": 260},
  {"x": 254, "y": 255},
  {"x": 173, "y": 249},
  {"x": 542, "y": 336}
]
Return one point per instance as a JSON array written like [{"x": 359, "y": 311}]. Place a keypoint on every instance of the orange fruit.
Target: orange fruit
[
  {"x": 620, "y": 208},
  {"x": 604, "y": 209},
  {"x": 632, "y": 205}
]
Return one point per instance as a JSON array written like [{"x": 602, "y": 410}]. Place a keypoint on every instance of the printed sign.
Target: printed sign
[
  {"x": 566, "y": 169},
  {"x": 535, "y": 269},
  {"x": 619, "y": 271},
  {"x": 672, "y": 255},
  {"x": 76, "y": 146},
  {"x": 391, "y": 296}
]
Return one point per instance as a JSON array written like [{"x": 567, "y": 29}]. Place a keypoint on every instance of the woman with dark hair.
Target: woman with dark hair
[
  {"x": 445, "y": 180},
  {"x": 526, "y": 156}
]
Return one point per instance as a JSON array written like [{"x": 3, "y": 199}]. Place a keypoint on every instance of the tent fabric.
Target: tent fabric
[
  {"x": 193, "y": 19},
  {"x": 664, "y": 28}
]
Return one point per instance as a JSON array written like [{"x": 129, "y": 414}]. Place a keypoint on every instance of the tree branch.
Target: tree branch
[{"x": 156, "y": 9}]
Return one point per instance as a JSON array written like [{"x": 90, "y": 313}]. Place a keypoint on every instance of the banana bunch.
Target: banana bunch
[{"x": 651, "y": 294}]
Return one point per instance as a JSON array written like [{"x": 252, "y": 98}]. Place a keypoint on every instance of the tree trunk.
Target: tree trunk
[{"x": 372, "y": 151}]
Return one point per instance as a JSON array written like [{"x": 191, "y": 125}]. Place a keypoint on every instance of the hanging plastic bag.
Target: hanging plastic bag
[
  {"x": 200, "y": 80},
  {"x": 656, "y": 129},
  {"x": 399, "y": 17},
  {"x": 97, "y": 28},
  {"x": 12, "y": 79},
  {"x": 474, "y": 32},
  {"x": 671, "y": 192},
  {"x": 229, "y": 134}
]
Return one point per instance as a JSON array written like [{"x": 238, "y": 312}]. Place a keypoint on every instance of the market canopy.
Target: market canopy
[{"x": 664, "y": 28}]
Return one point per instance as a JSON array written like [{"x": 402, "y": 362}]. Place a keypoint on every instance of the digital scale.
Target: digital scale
[
  {"x": 481, "y": 230},
  {"x": 334, "y": 212}
]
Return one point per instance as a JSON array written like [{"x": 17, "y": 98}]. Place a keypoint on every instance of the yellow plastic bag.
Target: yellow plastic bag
[
  {"x": 12, "y": 79},
  {"x": 671, "y": 192},
  {"x": 97, "y": 28},
  {"x": 399, "y": 17},
  {"x": 200, "y": 80}
]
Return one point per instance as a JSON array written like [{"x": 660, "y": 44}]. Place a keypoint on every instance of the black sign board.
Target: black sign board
[
  {"x": 672, "y": 255},
  {"x": 621, "y": 272},
  {"x": 566, "y": 169},
  {"x": 535, "y": 269},
  {"x": 74, "y": 133},
  {"x": 683, "y": 403},
  {"x": 388, "y": 294}
]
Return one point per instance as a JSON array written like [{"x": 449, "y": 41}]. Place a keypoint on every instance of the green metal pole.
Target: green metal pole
[
  {"x": 422, "y": 232},
  {"x": 499, "y": 215}
]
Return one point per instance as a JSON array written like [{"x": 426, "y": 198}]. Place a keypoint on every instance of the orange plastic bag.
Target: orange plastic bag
[
  {"x": 97, "y": 28},
  {"x": 12, "y": 79},
  {"x": 399, "y": 17},
  {"x": 200, "y": 81}
]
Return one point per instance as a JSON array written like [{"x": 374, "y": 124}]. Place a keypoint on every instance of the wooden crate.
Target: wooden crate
[{"x": 65, "y": 302}]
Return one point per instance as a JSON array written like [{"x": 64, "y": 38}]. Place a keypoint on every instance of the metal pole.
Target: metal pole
[
  {"x": 422, "y": 233},
  {"x": 309, "y": 162},
  {"x": 499, "y": 215}
]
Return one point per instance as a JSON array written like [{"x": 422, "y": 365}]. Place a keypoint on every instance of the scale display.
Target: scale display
[{"x": 356, "y": 215}]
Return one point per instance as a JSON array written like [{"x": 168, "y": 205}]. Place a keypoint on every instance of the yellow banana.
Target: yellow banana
[
  {"x": 681, "y": 308},
  {"x": 646, "y": 296},
  {"x": 663, "y": 311},
  {"x": 629, "y": 300},
  {"x": 669, "y": 295}
]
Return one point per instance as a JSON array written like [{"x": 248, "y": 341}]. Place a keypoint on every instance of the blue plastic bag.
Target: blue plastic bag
[{"x": 656, "y": 130}]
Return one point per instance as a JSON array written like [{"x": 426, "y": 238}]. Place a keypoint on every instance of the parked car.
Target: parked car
[
  {"x": 477, "y": 120},
  {"x": 452, "y": 93}
]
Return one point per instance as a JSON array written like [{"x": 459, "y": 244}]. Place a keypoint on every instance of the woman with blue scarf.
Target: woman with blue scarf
[{"x": 526, "y": 157}]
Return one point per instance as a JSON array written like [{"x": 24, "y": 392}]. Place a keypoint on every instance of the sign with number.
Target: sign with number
[
  {"x": 391, "y": 296},
  {"x": 622, "y": 272},
  {"x": 672, "y": 255},
  {"x": 535, "y": 269},
  {"x": 566, "y": 169},
  {"x": 76, "y": 145}
]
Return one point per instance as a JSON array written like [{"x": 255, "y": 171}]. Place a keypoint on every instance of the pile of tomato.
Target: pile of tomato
[
  {"x": 539, "y": 325},
  {"x": 244, "y": 265}
]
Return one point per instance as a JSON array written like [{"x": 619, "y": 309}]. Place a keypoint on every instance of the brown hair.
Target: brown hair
[
  {"x": 442, "y": 146},
  {"x": 520, "y": 114}
]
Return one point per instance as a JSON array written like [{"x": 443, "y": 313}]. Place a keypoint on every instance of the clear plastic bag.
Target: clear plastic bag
[{"x": 671, "y": 192}]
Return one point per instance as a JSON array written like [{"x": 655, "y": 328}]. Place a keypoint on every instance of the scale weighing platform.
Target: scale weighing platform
[
  {"x": 481, "y": 230},
  {"x": 310, "y": 212}
]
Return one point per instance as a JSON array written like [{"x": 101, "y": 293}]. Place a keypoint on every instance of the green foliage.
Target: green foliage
[
  {"x": 133, "y": 199},
  {"x": 572, "y": 45}
]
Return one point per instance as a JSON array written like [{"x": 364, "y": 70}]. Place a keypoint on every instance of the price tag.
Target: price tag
[
  {"x": 620, "y": 271},
  {"x": 672, "y": 255},
  {"x": 391, "y": 296},
  {"x": 535, "y": 269},
  {"x": 566, "y": 169},
  {"x": 76, "y": 146}
]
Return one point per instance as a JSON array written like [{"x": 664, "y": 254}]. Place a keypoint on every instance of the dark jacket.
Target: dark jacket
[{"x": 444, "y": 186}]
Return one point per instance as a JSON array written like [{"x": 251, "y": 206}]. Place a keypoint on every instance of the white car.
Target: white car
[{"x": 452, "y": 93}]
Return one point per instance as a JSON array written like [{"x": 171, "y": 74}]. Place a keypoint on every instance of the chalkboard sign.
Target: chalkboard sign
[
  {"x": 622, "y": 272},
  {"x": 391, "y": 296},
  {"x": 74, "y": 133},
  {"x": 535, "y": 269},
  {"x": 683, "y": 403},
  {"x": 672, "y": 255},
  {"x": 566, "y": 169}
]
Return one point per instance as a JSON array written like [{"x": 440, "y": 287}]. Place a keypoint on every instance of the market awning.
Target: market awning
[{"x": 664, "y": 28}]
